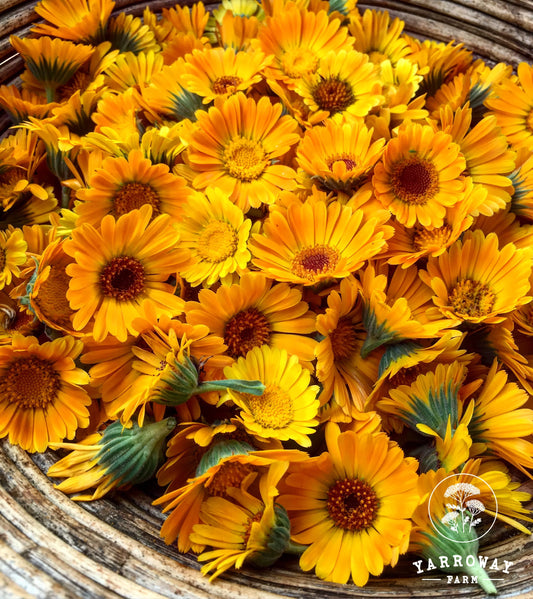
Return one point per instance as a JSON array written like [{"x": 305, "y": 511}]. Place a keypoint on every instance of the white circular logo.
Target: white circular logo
[{"x": 460, "y": 504}]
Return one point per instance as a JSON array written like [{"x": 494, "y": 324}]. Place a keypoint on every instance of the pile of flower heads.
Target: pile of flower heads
[{"x": 278, "y": 258}]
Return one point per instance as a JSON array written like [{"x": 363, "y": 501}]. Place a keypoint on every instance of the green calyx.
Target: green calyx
[
  {"x": 461, "y": 550},
  {"x": 278, "y": 541},
  {"x": 182, "y": 382},
  {"x": 219, "y": 451},
  {"x": 133, "y": 455}
]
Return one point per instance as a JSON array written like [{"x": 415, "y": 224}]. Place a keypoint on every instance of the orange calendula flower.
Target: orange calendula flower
[
  {"x": 475, "y": 281},
  {"x": 352, "y": 505},
  {"x": 219, "y": 72},
  {"x": 237, "y": 146},
  {"x": 256, "y": 312},
  {"x": 120, "y": 265},
  {"x": 307, "y": 243},
  {"x": 297, "y": 38},
  {"x": 42, "y": 399},
  {"x": 124, "y": 184},
  {"x": 53, "y": 62},
  {"x": 420, "y": 176},
  {"x": 345, "y": 85},
  {"x": 338, "y": 157}
]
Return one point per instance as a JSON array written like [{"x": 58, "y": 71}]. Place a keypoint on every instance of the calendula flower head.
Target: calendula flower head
[
  {"x": 419, "y": 176},
  {"x": 120, "y": 456},
  {"x": 52, "y": 62},
  {"x": 465, "y": 289},
  {"x": 253, "y": 531},
  {"x": 43, "y": 397},
  {"x": 287, "y": 406},
  {"x": 364, "y": 466}
]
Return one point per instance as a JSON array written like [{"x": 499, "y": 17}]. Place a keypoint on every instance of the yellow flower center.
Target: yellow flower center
[
  {"x": 244, "y": 331},
  {"x": 344, "y": 339},
  {"x": 414, "y": 181},
  {"x": 313, "y": 261},
  {"x": 273, "y": 409},
  {"x": 122, "y": 278},
  {"x": 298, "y": 62},
  {"x": 226, "y": 84},
  {"x": 132, "y": 196},
  {"x": 471, "y": 298},
  {"x": 244, "y": 159},
  {"x": 30, "y": 382},
  {"x": 51, "y": 299},
  {"x": 430, "y": 240},
  {"x": 230, "y": 474},
  {"x": 333, "y": 95},
  {"x": 352, "y": 504},
  {"x": 217, "y": 241},
  {"x": 349, "y": 161}
]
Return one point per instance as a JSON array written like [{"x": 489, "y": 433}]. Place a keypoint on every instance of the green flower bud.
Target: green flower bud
[{"x": 133, "y": 455}]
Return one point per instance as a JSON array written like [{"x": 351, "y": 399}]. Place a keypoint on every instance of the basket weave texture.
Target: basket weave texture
[{"x": 52, "y": 547}]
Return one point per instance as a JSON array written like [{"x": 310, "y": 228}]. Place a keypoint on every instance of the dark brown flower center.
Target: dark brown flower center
[
  {"x": 226, "y": 84},
  {"x": 333, "y": 95},
  {"x": 132, "y": 196},
  {"x": 415, "y": 181},
  {"x": 352, "y": 504},
  {"x": 30, "y": 382},
  {"x": 244, "y": 331},
  {"x": 345, "y": 340},
  {"x": 312, "y": 261},
  {"x": 122, "y": 278}
]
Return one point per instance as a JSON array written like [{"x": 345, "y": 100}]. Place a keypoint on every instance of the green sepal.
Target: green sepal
[
  {"x": 182, "y": 383},
  {"x": 463, "y": 543},
  {"x": 396, "y": 351},
  {"x": 133, "y": 455},
  {"x": 278, "y": 540},
  {"x": 219, "y": 451}
]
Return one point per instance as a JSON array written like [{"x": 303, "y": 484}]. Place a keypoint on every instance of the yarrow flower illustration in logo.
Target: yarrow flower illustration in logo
[{"x": 471, "y": 508}]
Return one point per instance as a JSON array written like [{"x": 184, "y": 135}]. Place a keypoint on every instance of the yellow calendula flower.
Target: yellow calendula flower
[{"x": 288, "y": 406}]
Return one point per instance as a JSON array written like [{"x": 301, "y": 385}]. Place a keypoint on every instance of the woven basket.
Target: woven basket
[{"x": 52, "y": 547}]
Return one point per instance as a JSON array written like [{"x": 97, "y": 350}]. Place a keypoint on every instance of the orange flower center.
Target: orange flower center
[
  {"x": 132, "y": 196},
  {"x": 122, "y": 278},
  {"x": 352, "y": 504},
  {"x": 414, "y": 181},
  {"x": 471, "y": 298},
  {"x": 431, "y": 240},
  {"x": 344, "y": 339},
  {"x": 30, "y": 382},
  {"x": 3, "y": 259},
  {"x": 273, "y": 409},
  {"x": 256, "y": 518},
  {"x": 217, "y": 241},
  {"x": 230, "y": 474},
  {"x": 348, "y": 161},
  {"x": 244, "y": 159},
  {"x": 333, "y": 95},
  {"x": 226, "y": 84},
  {"x": 244, "y": 331},
  {"x": 298, "y": 62},
  {"x": 313, "y": 261},
  {"x": 405, "y": 376},
  {"x": 51, "y": 298}
]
